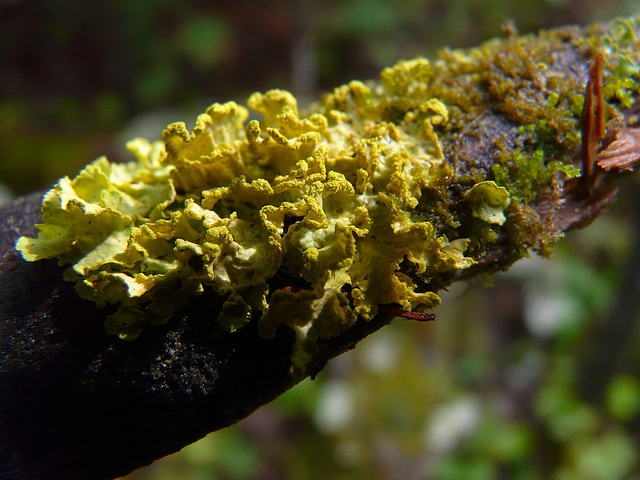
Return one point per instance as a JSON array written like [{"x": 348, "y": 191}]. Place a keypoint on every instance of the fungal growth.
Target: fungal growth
[{"x": 373, "y": 199}]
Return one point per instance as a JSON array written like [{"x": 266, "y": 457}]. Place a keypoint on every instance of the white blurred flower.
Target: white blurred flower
[
  {"x": 379, "y": 353},
  {"x": 450, "y": 424},
  {"x": 546, "y": 311},
  {"x": 336, "y": 407}
]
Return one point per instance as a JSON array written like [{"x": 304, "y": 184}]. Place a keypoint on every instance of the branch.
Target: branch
[{"x": 76, "y": 403}]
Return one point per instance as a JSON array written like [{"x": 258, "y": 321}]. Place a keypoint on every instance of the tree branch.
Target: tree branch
[{"x": 76, "y": 403}]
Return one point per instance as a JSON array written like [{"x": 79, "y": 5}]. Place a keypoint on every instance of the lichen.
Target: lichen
[
  {"x": 363, "y": 200},
  {"x": 489, "y": 201}
]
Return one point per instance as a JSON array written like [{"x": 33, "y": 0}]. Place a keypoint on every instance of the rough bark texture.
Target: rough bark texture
[{"x": 78, "y": 404}]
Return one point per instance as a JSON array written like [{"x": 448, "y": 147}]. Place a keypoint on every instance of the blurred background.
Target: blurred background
[{"x": 537, "y": 377}]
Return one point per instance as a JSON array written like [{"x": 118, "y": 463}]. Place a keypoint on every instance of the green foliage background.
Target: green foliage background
[{"x": 537, "y": 377}]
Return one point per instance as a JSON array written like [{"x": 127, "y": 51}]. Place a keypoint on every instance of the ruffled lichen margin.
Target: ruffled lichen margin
[{"x": 367, "y": 198}]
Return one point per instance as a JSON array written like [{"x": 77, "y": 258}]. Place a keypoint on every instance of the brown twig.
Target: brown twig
[{"x": 592, "y": 120}]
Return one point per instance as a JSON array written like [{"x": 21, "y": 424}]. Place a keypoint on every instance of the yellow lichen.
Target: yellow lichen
[{"x": 350, "y": 203}]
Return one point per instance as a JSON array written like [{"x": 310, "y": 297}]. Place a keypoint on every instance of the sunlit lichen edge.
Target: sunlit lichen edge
[{"x": 314, "y": 220}]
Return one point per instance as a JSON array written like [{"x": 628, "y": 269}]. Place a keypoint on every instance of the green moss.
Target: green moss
[
  {"x": 523, "y": 173},
  {"x": 361, "y": 200}
]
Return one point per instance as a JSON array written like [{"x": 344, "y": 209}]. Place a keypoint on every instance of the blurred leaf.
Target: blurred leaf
[
  {"x": 226, "y": 451},
  {"x": 610, "y": 456},
  {"x": 466, "y": 469},
  {"x": 368, "y": 16},
  {"x": 302, "y": 399},
  {"x": 623, "y": 397},
  {"x": 154, "y": 84},
  {"x": 109, "y": 109},
  {"x": 566, "y": 416},
  {"x": 505, "y": 442},
  {"x": 203, "y": 39}
]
